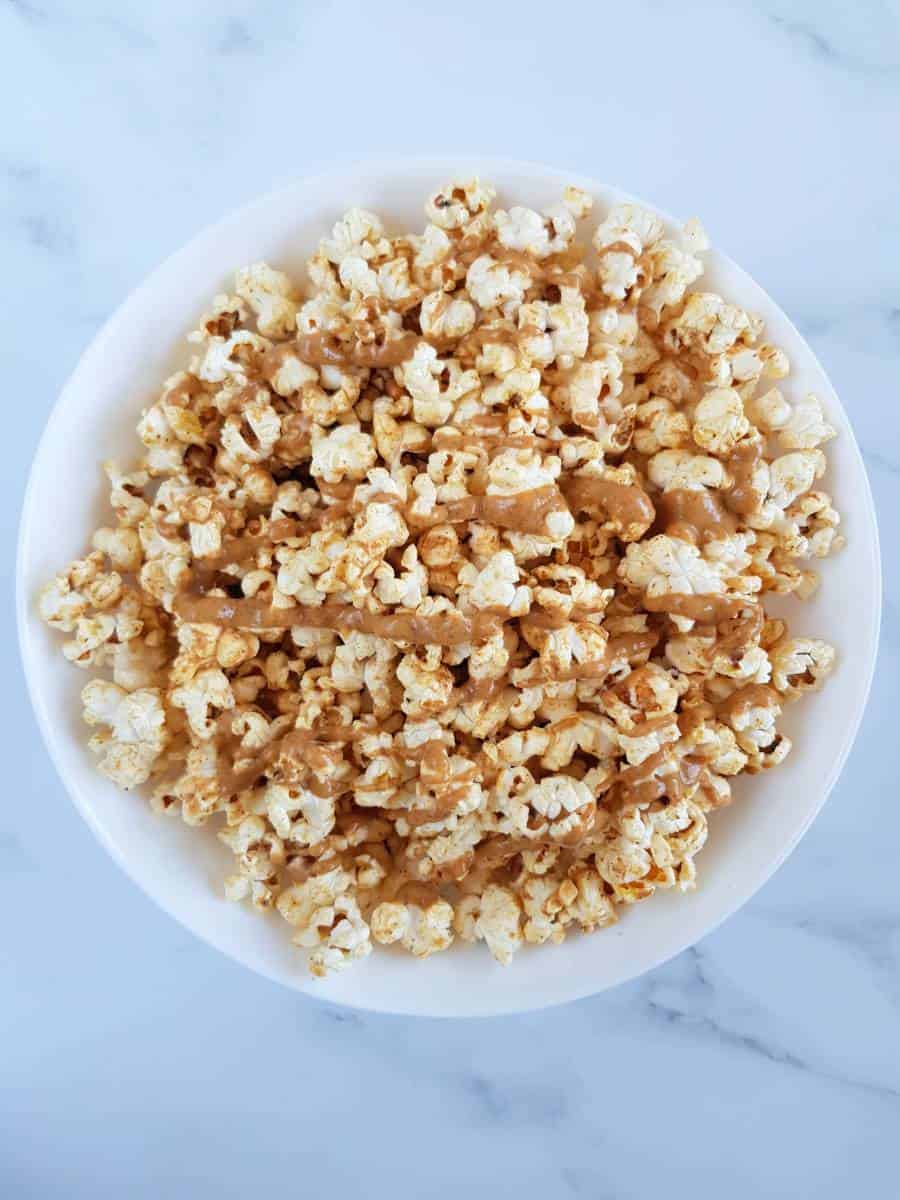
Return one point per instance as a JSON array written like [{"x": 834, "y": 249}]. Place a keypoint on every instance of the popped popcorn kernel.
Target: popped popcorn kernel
[
  {"x": 421, "y": 931},
  {"x": 495, "y": 918},
  {"x": 327, "y": 920}
]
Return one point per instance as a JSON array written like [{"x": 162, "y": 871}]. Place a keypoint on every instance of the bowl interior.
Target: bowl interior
[{"x": 182, "y": 868}]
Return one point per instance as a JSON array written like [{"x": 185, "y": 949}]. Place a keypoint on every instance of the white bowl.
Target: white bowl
[{"x": 182, "y": 868}]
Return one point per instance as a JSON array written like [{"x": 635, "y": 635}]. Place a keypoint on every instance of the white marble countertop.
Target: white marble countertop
[{"x": 766, "y": 1061}]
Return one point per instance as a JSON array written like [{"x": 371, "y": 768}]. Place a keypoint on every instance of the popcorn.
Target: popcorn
[
  {"x": 455, "y": 205},
  {"x": 271, "y": 296},
  {"x": 801, "y": 665},
  {"x": 529, "y": 232},
  {"x": 359, "y": 234},
  {"x": 619, "y": 241},
  {"x": 660, "y": 426},
  {"x": 719, "y": 421},
  {"x": 566, "y": 804},
  {"x": 552, "y": 905},
  {"x": 671, "y": 469},
  {"x": 422, "y": 374},
  {"x": 806, "y": 427},
  {"x": 298, "y": 814},
  {"x": 91, "y": 637},
  {"x": 675, "y": 267},
  {"x": 345, "y": 452},
  {"x": 492, "y": 284},
  {"x": 813, "y": 514},
  {"x": 441, "y": 589},
  {"x": 769, "y": 412},
  {"x": 588, "y": 391},
  {"x": 229, "y": 359},
  {"x": 446, "y": 317},
  {"x": 495, "y": 585},
  {"x": 135, "y": 735},
  {"x": 251, "y": 437},
  {"x": 665, "y": 564},
  {"x": 328, "y": 921},
  {"x": 421, "y": 931},
  {"x": 207, "y": 694},
  {"x": 122, "y": 547},
  {"x": 495, "y": 918}
]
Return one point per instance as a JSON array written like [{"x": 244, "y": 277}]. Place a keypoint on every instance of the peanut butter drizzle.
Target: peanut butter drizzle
[
  {"x": 488, "y": 421},
  {"x": 412, "y": 891},
  {"x": 439, "y": 629},
  {"x": 540, "y": 618},
  {"x": 652, "y": 725},
  {"x": 184, "y": 392},
  {"x": 704, "y": 609},
  {"x": 293, "y": 742},
  {"x": 743, "y": 498},
  {"x": 274, "y": 359},
  {"x": 596, "y": 668},
  {"x": 323, "y": 349},
  {"x": 440, "y": 306},
  {"x": 460, "y": 439},
  {"x": 440, "y": 809},
  {"x": 238, "y": 550},
  {"x": 695, "y": 516},
  {"x": 342, "y": 491},
  {"x": 629, "y": 645},
  {"x": 616, "y": 652},
  {"x": 524, "y": 512},
  {"x": 556, "y": 270},
  {"x": 741, "y": 631},
  {"x": 625, "y": 504},
  {"x": 619, "y": 247},
  {"x": 479, "y": 690},
  {"x": 294, "y": 444},
  {"x": 470, "y": 344},
  {"x": 497, "y": 851},
  {"x": 431, "y": 754},
  {"x": 752, "y": 695},
  {"x": 650, "y": 780},
  {"x": 693, "y": 716},
  {"x": 328, "y": 788}
]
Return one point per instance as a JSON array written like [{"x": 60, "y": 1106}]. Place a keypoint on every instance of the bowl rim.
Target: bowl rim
[{"x": 397, "y": 165}]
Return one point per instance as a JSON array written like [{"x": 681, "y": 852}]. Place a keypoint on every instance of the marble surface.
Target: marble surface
[{"x": 766, "y": 1061}]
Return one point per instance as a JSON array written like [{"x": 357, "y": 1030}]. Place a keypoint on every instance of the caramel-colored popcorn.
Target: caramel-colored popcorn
[{"x": 440, "y": 587}]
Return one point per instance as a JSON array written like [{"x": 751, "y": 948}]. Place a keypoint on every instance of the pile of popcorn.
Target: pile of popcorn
[{"x": 441, "y": 588}]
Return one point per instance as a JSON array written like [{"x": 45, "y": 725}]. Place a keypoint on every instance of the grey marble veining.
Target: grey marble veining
[{"x": 763, "y": 1062}]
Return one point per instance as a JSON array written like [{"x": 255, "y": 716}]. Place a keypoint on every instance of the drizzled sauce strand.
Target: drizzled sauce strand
[
  {"x": 616, "y": 652},
  {"x": 524, "y": 512},
  {"x": 293, "y": 743},
  {"x": 697, "y": 516},
  {"x": 626, "y": 505},
  {"x": 325, "y": 350},
  {"x": 704, "y": 609},
  {"x": 661, "y": 775},
  {"x": 739, "y": 622},
  {"x": 743, "y": 497},
  {"x": 438, "y": 629}
]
